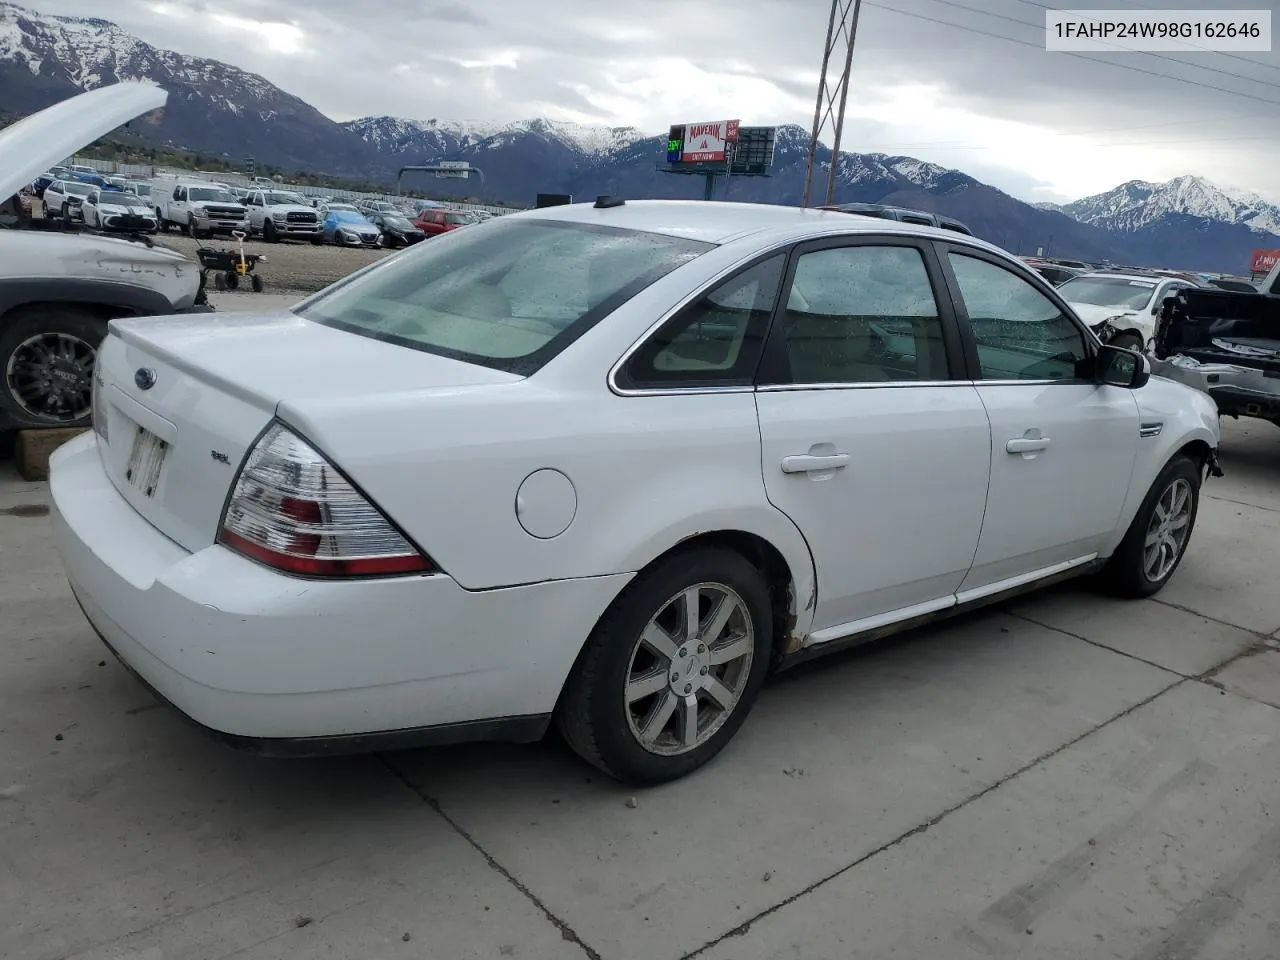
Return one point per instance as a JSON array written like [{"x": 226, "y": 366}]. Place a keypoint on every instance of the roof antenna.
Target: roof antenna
[{"x": 604, "y": 202}]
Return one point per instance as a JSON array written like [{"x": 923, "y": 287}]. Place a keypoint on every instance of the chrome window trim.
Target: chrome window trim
[
  {"x": 869, "y": 385},
  {"x": 784, "y": 247},
  {"x": 687, "y": 301}
]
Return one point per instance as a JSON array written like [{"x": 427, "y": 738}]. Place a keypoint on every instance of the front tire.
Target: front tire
[
  {"x": 47, "y": 356},
  {"x": 673, "y": 667},
  {"x": 269, "y": 232},
  {"x": 1157, "y": 539}
]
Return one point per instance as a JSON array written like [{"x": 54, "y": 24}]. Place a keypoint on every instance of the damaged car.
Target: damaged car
[
  {"x": 59, "y": 288},
  {"x": 1226, "y": 344},
  {"x": 1121, "y": 308}
]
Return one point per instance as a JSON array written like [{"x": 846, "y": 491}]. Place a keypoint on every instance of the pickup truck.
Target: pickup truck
[
  {"x": 60, "y": 288},
  {"x": 1226, "y": 344},
  {"x": 202, "y": 209},
  {"x": 278, "y": 214}
]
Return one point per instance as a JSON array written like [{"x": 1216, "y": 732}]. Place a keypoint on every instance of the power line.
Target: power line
[
  {"x": 1200, "y": 121},
  {"x": 961, "y": 145},
  {"x": 1078, "y": 56},
  {"x": 1119, "y": 49}
]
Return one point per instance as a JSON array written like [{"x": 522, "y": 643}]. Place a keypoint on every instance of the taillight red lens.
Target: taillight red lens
[{"x": 292, "y": 510}]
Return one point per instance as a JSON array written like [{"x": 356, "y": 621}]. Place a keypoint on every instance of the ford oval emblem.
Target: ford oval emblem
[{"x": 145, "y": 378}]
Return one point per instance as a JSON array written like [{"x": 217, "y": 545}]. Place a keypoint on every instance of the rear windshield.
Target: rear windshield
[{"x": 508, "y": 294}]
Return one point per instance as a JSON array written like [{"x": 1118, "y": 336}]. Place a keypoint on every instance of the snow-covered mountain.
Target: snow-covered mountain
[
  {"x": 431, "y": 139},
  {"x": 213, "y": 107},
  {"x": 1138, "y": 204}
]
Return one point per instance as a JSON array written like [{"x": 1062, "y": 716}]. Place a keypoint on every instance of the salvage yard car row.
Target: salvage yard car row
[{"x": 203, "y": 208}]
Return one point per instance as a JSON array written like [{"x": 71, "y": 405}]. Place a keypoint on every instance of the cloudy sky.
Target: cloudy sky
[{"x": 964, "y": 83}]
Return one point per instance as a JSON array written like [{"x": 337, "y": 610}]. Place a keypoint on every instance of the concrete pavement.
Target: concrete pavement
[{"x": 1066, "y": 776}]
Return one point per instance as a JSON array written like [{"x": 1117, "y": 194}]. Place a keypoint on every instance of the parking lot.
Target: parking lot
[{"x": 1061, "y": 777}]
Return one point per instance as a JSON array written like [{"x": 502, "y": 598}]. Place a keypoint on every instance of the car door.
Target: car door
[
  {"x": 1062, "y": 444},
  {"x": 870, "y": 442}
]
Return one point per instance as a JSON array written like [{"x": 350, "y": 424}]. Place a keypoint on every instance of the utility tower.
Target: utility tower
[{"x": 828, "y": 115}]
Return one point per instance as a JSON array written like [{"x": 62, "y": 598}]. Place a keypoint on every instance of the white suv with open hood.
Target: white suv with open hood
[{"x": 58, "y": 290}]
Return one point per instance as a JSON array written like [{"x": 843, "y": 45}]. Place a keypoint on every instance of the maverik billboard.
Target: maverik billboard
[
  {"x": 702, "y": 142},
  {"x": 1264, "y": 260}
]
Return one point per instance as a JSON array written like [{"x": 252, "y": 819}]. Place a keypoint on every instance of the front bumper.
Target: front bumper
[
  {"x": 216, "y": 225},
  {"x": 285, "y": 665},
  {"x": 286, "y": 229}
]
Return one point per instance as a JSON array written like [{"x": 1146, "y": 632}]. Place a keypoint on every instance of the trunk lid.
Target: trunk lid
[{"x": 184, "y": 399}]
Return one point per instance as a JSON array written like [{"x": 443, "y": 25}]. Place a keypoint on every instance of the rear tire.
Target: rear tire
[
  {"x": 54, "y": 342},
  {"x": 646, "y": 702},
  {"x": 257, "y": 283},
  {"x": 1167, "y": 518}
]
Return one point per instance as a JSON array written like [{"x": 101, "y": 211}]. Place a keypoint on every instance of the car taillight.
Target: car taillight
[{"x": 292, "y": 510}]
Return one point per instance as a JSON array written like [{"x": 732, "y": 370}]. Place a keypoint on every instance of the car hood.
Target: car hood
[
  {"x": 114, "y": 207},
  {"x": 290, "y": 208},
  {"x": 1092, "y": 314},
  {"x": 29, "y": 147}
]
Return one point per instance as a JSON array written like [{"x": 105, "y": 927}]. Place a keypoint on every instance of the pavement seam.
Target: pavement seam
[
  {"x": 1205, "y": 616},
  {"x": 933, "y": 821},
  {"x": 566, "y": 931},
  {"x": 1207, "y": 676},
  {"x": 1100, "y": 645},
  {"x": 1243, "y": 503}
]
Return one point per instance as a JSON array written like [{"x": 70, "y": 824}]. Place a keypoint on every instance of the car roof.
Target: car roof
[
  {"x": 720, "y": 222},
  {"x": 1126, "y": 275}
]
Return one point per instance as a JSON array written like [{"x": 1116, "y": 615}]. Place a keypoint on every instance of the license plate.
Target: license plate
[{"x": 146, "y": 460}]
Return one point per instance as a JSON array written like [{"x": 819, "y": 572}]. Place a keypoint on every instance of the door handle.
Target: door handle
[
  {"x": 812, "y": 463},
  {"x": 1027, "y": 444}
]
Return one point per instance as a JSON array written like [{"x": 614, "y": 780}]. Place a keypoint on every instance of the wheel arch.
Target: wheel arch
[
  {"x": 776, "y": 548},
  {"x": 105, "y": 298}
]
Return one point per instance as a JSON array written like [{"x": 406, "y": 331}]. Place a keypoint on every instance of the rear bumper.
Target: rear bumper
[
  {"x": 1238, "y": 391},
  {"x": 282, "y": 665}
]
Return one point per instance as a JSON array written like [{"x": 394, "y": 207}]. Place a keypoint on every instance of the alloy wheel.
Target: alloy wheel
[
  {"x": 1167, "y": 532},
  {"x": 689, "y": 668},
  {"x": 50, "y": 376}
]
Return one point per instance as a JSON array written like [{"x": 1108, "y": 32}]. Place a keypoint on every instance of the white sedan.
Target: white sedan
[
  {"x": 604, "y": 464},
  {"x": 118, "y": 210}
]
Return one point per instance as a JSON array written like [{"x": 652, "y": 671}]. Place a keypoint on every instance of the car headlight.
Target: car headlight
[
  {"x": 277, "y": 214},
  {"x": 351, "y": 234}
]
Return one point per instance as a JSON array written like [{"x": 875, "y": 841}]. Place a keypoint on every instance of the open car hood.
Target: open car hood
[{"x": 32, "y": 145}]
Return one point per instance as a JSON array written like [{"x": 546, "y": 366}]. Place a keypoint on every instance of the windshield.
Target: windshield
[
  {"x": 141, "y": 189},
  {"x": 397, "y": 223},
  {"x": 278, "y": 198},
  {"x": 1109, "y": 292},
  {"x": 506, "y": 295},
  {"x": 79, "y": 189},
  {"x": 347, "y": 216},
  {"x": 343, "y": 207},
  {"x": 459, "y": 218},
  {"x": 211, "y": 193},
  {"x": 113, "y": 198}
]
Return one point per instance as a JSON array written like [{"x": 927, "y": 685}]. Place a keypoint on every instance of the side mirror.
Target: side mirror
[{"x": 1119, "y": 367}]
